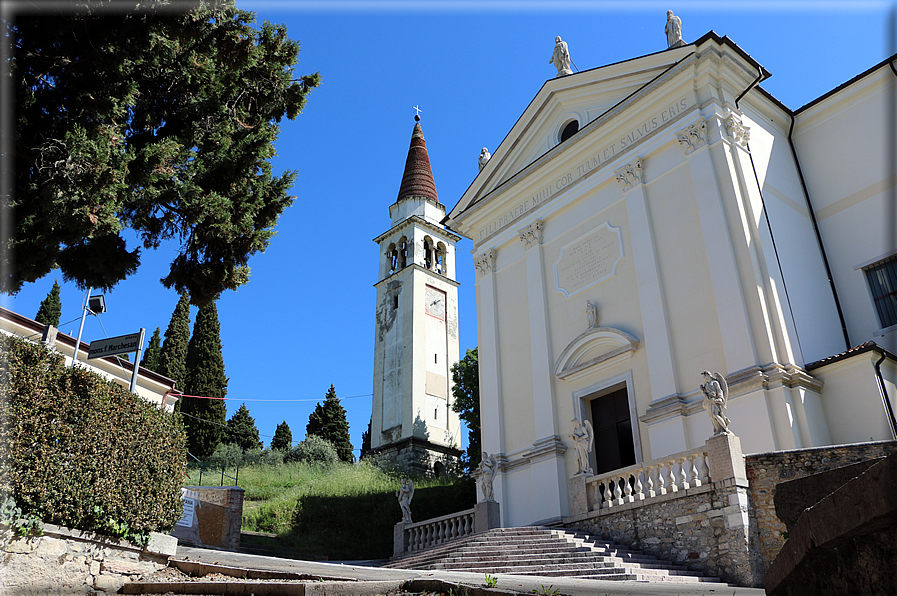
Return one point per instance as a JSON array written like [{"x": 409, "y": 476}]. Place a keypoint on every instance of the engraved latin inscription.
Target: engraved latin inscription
[{"x": 588, "y": 260}]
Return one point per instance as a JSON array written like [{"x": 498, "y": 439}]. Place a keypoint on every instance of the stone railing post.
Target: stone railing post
[
  {"x": 486, "y": 516},
  {"x": 576, "y": 493},
  {"x": 726, "y": 460},
  {"x": 399, "y": 539}
]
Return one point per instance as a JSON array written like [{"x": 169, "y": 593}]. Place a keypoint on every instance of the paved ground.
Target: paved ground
[{"x": 360, "y": 570}]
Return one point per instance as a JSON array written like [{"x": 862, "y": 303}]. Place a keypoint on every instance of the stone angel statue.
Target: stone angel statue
[
  {"x": 487, "y": 468},
  {"x": 583, "y": 441},
  {"x": 405, "y": 494},
  {"x": 485, "y": 156},
  {"x": 716, "y": 394}
]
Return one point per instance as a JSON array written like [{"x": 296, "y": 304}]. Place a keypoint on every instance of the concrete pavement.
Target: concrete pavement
[{"x": 570, "y": 586}]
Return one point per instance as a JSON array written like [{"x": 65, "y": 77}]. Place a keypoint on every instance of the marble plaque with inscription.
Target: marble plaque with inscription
[{"x": 589, "y": 259}]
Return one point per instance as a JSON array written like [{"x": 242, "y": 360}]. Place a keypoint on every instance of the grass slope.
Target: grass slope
[{"x": 342, "y": 512}]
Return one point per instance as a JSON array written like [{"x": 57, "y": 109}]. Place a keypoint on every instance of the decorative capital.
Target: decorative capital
[
  {"x": 485, "y": 262},
  {"x": 739, "y": 133},
  {"x": 693, "y": 137},
  {"x": 531, "y": 234},
  {"x": 630, "y": 174}
]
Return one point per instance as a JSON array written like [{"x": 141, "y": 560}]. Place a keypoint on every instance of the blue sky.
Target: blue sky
[{"x": 306, "y": 318}]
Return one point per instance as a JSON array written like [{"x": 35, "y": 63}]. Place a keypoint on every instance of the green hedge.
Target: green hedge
[{"x": 80, "y": 451}]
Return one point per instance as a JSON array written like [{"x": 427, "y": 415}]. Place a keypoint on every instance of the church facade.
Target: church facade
[{"x": 652, "y": 219}]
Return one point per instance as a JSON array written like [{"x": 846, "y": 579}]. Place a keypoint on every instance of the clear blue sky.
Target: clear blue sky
[{"x": 306, "y": 318}]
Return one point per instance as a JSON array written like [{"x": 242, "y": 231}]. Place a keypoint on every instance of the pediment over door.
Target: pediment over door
[{"x": 594, "y": 350}]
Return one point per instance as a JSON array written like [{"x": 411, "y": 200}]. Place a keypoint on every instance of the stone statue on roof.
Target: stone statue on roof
[
  {"x": 485, "y": 156},
  {"x": 673, "y": 30},
  {"x": 561, "y": 57}
]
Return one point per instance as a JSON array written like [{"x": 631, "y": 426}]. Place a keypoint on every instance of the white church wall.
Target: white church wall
[
  {"x": 857, "y": 420},
  {"x": 850, "y": 190}
]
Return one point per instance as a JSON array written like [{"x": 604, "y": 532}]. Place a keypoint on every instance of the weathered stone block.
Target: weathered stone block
[{"x": 109, "y": 583}]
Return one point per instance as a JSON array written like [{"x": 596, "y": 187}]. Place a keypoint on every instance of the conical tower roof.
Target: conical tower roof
[{"x": 418, "y": 178}]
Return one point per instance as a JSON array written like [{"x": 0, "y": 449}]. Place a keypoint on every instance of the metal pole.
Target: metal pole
[
  {"x": 137, "y": 364},
  {"x": 81, "y": 328}
]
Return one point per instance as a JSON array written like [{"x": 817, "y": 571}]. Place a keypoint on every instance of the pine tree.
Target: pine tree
[
  {"x": 153, "y": 352},
  {"x": 366, "y": 441},
  {"x": 328, "y": 421},
  {"x": 283, "y": 438},
  {"x": 50, "y": 308},
  {"x": 204, "y": 416},
  {"x": 241, "y": 430},
  {"x": 173, "y": 358}
]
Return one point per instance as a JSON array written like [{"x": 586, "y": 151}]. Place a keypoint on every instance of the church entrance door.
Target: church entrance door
[{"x": 614, "y": 447}]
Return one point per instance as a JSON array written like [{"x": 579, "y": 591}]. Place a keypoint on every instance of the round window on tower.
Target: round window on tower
[{"x": 570, "y": 129}]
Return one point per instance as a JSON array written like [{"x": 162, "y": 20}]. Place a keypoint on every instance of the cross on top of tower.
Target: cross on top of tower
[{"x": 417, "y": 115}]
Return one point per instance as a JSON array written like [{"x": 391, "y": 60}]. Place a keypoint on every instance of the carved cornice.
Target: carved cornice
[
  {"x": 693, "y": 137},
  {"x": 737, "y": 131},
  {"x": 485, "y": 262},
  {"x": 547, "y": 447},
  {"x": 531, "y": 234},
  {"x": 630, "y": 174}
]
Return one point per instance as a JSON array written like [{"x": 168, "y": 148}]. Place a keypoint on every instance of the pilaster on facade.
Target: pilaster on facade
[
  {"x": 485, "y": 262},
  {"x": 532, "y": 234},
  {"x": 630, "y": 174},
  {"x": 693, "y": 137},
  {"x": 737, "y": 131}
]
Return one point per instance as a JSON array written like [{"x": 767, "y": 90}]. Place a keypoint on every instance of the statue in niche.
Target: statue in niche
[
  {"x": 716, "y": 394},
  {"x": 405, "y": 494},
  {"x": 673, "y": 30},
  {"x": 487, "y": 469},
  {"x": 485, "y": 156},
  {"x": 583, "y": 441},
  {"x": 592, "y": 313},
  {"x": 561, "y": 57}
]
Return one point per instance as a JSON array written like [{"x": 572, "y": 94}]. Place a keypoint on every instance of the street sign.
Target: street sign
[{"x": 114, "y": 345}]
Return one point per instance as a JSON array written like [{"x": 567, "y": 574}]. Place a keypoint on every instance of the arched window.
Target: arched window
[
  {"x": 441, "y": 264},
  {"x": 392, "y": 258},
  {"x": 570, "y": 129},
  {"x": 403, "y": 253},
  {"x": 439, "y": 469},
  {"x": 428, "y": 252}
]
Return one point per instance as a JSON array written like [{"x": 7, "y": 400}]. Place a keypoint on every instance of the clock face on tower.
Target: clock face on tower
[{"x": 435, "y": 302}]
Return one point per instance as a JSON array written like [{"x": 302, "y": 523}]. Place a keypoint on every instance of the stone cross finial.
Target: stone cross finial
[{"x": 418, "y": 110}]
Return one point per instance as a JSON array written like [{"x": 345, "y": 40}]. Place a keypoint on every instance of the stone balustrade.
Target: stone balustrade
[
  {"x": 439, "y": 530},
  {"x": 647, "y": 480}
]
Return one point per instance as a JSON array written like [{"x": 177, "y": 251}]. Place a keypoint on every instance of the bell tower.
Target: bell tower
[{"x": 416, "y": 334}]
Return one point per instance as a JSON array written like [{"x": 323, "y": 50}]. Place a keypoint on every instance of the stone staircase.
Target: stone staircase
[{"x": 546, "y": 552}]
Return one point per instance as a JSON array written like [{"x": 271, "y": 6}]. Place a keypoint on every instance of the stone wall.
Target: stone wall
[
  {"x": 766, "y": 470},
  {"x": 70, "y": 562},
  {"x": 703, "y": 528}
]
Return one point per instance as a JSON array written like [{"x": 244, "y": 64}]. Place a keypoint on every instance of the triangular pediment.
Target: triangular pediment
[{"x": 583, "y": 97}]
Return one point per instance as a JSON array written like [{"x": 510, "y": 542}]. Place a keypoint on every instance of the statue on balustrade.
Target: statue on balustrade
[
  {"x": 716, "y": 394},
  {"x": 405, "y": 494},
  {"x": 583, "y": 441}
]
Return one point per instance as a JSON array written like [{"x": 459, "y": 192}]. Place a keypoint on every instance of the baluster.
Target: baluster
[
  {"x": 602, "y": 495},
  {"x": 683, "y": 477},
  {"x": 649, "y": 479},
  {"x": 639, "y": 488},
  {"x": 693, "y": 471},
  {"x": 671, "y": 479},
  {"x": 703, "y": 469},
  {"x": 456, "y": 527},
  {"x": 413, "y": 540},
  {"x": 627, "y": 490},
  {"x": 618, "y": 492},
  {"x": 661, "y": 480}
]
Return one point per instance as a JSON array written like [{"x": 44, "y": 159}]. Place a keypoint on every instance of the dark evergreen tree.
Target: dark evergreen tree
[
  {"x": 466, "y": 403},
  {"x": 155, "y": 119},
  {"x": 283, "y": 438},
  {"x": 366, "y": 442},
  {"x": 153, "y": 353},
  {"x": 328, "y": 421},
  {"x": 50, "y": 308},
  {"x": 205, "y": 414},
  {"x": 173, "y": 358},
  {"x": 241, "y": 430}
]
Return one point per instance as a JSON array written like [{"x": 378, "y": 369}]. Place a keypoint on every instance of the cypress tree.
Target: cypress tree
[
  {"x": 241, "y": 430},
  {"x": 153, "y": 352},
  {"x": 328, "y": 421},
  {"x": 366, "y": 441},
  {"x": 173, "y": 358},
  {"x": 283, "y": 438},
  {"x": 50, "y": 308},
  {"x": 204, "y": 420}
]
